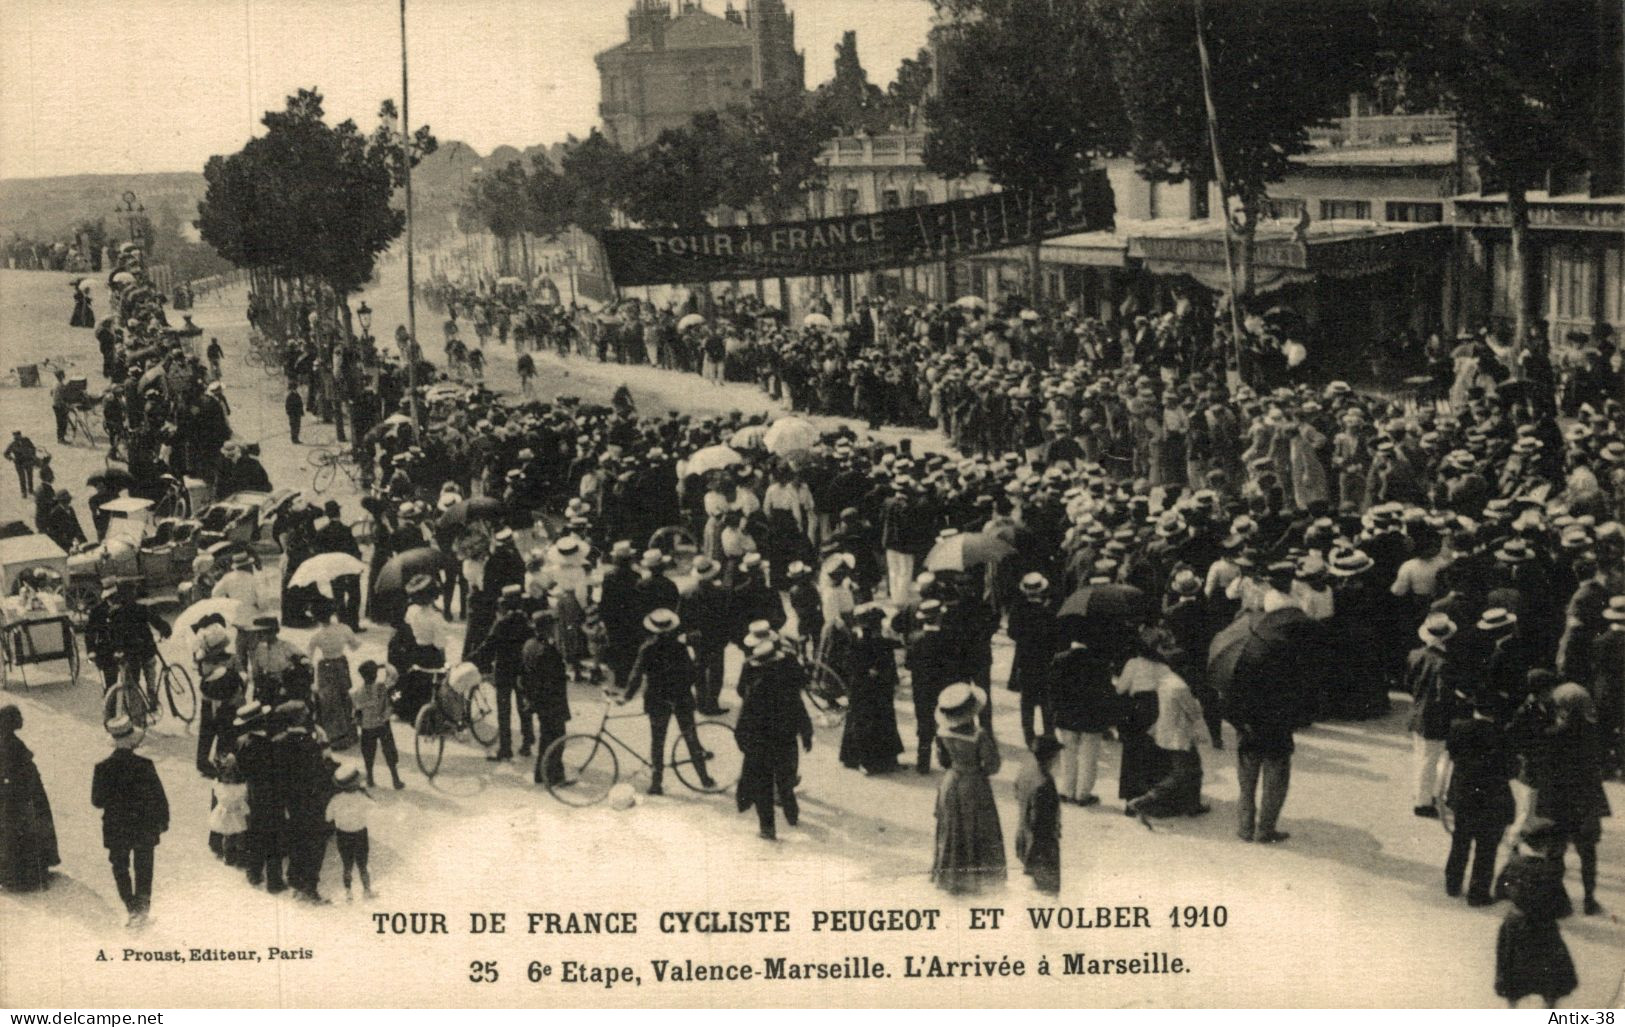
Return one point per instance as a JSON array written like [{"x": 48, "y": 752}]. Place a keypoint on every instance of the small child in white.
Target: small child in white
[
  {"x": 348, "y": 811},
  {"x": 229, "y": 817}
]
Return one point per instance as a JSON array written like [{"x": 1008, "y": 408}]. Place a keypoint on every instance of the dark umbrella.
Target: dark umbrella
[
  {"x": 1118, "y": 604},
  {"x": 115, "y": 478},
  {"x": 402, "y": 567},
  {"x": 466, "y": 511},
  {"x": 1254, "y": 664}
]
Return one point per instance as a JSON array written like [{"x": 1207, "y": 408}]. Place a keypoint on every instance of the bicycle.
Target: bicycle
[
  {"x": 589, "y": 767},
  {"x": 445, "y": 713},
  {"x": 176, "y": 500},
  {"x": 328, "y": 463},
  {"x": 825, "y": 689},
  {"x": 81, "y": 425},
  {"x": 130, "y": 697}
]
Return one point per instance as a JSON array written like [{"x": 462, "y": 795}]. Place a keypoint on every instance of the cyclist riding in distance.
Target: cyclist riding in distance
[{"x": 130, "y": 629}]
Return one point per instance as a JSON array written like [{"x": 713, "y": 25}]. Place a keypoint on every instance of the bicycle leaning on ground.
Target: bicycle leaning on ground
[
  {"x": 581, "y": 768},
  {"x": 327, "y": 464},
  {"x": 449, "y": 713}
]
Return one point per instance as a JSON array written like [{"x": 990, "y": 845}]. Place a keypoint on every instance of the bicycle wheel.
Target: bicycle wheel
[
  {"x": 482, "y": 714},
  {"x": 719, "y": 754},
  {"x": 177, "y": 682},
  {"x": 826, "y": 690},
  {"x": 428, "y": 740},
  {"x": 585, "y": 769},
  {"x": 129, "y": 700},
  {"x": 322, "y": 480}
]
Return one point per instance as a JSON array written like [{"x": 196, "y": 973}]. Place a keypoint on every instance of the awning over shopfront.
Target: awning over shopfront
[{"x": 1281, "y": 256}]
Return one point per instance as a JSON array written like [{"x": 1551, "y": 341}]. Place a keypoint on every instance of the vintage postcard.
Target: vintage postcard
[{"x": 811, "y": 503}]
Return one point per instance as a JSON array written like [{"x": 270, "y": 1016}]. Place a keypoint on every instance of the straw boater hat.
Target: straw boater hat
[
  {"x": 765, "y": 652},
  {"x": 347, "y": 778},
  {"x": 958, "y": 705},
  {"x": 1497, "y": 617},
  {"x": 1615, "y": 610},
  {"x": 1034, "y": 584},
  {"x": 1184, "y": 582},
  {"x": 1346, "y": 563},
  {"x": 653, "y": 559},
  {"x": 1437, "y": 629},
  {"x": 418, "y": 583},
  {"x": 757, "y": 632},
  {"x": 125, "y": 733},
  {"x": 661, "y": 622},
  {"x": 706, "y": 568}
]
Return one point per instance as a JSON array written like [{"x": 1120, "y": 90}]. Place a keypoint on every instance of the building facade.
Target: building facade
[{"x": 680, "y": 62}]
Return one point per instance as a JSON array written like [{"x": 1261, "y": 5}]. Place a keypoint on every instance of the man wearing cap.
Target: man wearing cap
[
  {"x": 707, "y": 616},
  {"x": 500, "y": 654},
  {"x": 932, "y": 665},
  {"x": 1479, "y": 795},
  {"x": 130, "y": 627},
  {"x": 665, "y": 673},
  {"x": 135, "y": 812},
  {"x": 544, "y": 690}
]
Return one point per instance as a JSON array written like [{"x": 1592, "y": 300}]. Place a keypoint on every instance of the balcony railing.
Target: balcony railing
[
  {"x": 852, "y": 151},
  {"x": 1386, "y": 129}
]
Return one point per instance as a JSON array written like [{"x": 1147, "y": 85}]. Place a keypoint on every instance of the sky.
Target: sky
[{"x": 125, "y": 86}]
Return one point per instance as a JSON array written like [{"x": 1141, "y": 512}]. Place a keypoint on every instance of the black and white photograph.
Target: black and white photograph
[{"x": 812, "y": 504}]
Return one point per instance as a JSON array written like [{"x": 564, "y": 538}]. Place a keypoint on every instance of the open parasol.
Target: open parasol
[
  {"x": 188, "y": 619},
  {"x": 402, "y": 567},
  {"x": 815, "y": 320},
  {"x": 321, "y": 569},
  {"x": 689, "y": 321},
  {"x": 966, "y": 551},
  {"x": 713, "y": 458},
  {"x": 971, "y": 302},
  {"x": 789, "y": 434},
  {"x": 748, "y": 437}
]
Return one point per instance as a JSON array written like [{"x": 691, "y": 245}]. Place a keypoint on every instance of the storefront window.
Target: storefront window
[
  {"x": 1284, "y": 208},
  {"x": 1417, "y": 213},
  {"x": 1345, "y": 210}
]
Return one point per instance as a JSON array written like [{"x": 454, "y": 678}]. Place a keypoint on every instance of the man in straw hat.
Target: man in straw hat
[
  {"x": 135, "y": 812},
  {"x": 1431, "y": 678},
  {"x": 665, "y": 673},
  {"x": 771, "y": 719}
]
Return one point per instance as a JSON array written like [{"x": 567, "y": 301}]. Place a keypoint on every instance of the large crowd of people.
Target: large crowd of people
[{"x": 1166, "y": 550}]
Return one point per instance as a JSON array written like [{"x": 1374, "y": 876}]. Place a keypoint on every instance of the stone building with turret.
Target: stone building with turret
[{"x": 681, "y": 61}]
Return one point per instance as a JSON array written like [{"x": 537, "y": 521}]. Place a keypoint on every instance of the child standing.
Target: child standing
[
  {"x": 1530, "y": 956},
  {"x": 347, "y": 811},
  {"x": 371, "y": 699},
  {"x": 229, "y": 817},
  {"x": 1038, "y": 839}
]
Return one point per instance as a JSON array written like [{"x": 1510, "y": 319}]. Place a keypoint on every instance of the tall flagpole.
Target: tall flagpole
[
  {"x": 412, "y": 348},
  {"x": 1224, "y": 187}
]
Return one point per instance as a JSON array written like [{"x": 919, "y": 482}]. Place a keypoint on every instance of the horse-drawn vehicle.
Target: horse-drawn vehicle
[{"x": 35, "y": 623}]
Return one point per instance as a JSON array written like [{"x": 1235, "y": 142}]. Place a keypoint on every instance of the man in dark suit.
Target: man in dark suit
[
  {"x": 545, "y": 691},
  {"x": 706, "y": 614},
  {"x": 1479, "y": 795},
  {"x": 135, "y": 812},
  {"x": 656, "y": 591},
  {"x": 1266, "y": 708},
  {"x": 931, "y": 662},
  {"x": 665, "y": 672},
  {"x": 618, "y": 606}
]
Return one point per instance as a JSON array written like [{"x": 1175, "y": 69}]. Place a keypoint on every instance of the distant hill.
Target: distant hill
[{"x": 50, "y": 208}]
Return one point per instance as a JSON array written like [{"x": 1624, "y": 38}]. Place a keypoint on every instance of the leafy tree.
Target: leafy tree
[
  {"x": 1277, "y": 68},
  {"x": 308, "y": 202},
  {"x": 1025, "y": 93},
  {"x": 1532, "y": 94},
  {"x": 906, "y": 95},
  {"x": 596, "y": 174},
  {"x": 849, "y": 98}
]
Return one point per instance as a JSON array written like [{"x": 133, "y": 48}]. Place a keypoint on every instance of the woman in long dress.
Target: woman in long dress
[
  {"x": 969, "y": 855},
  {"x": 330, "y": 647},
  {"x": 870, "y": 740},
  {"x": 27, "y": 830}
]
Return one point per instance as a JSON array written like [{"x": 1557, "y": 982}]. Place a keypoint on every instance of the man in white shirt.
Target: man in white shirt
[{"x": 240, "y": 586}]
